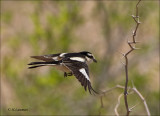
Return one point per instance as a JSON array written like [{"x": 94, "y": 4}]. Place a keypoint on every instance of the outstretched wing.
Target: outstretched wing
[
  {"x": 48, "y": 58},
  {"x": 81, "y": 72}
]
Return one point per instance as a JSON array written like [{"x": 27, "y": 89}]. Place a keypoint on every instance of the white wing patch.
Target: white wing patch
[
  {"x": 55, "y": 58},
  {"x": 78, "y": 59},
  {"x": 83, "y": 71},
  {"x": 89, "y": 54},
  {"x": 62, "y": 54},
  {"x": 46, "y": 56}
]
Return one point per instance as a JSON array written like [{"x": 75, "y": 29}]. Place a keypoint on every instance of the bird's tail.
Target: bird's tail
[{"x": 39, "y": 64}]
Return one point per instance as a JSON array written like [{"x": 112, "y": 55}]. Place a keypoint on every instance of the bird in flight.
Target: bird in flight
[{"x": 71, "y": 64}]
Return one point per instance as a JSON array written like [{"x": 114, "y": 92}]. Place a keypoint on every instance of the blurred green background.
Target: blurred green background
[{"x": 47, "y": 27}]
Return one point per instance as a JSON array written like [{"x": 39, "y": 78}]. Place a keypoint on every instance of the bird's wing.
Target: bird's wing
[
  {"x": 81, "y": 72},
  {"x": 48, "y": 58}
]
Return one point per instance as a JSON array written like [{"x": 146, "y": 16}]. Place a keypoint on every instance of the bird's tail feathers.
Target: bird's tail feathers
[
  {"x": 91, "y": 90},
  {"x": 35, "y": 66},
  {"x": 39, "y": 64}
]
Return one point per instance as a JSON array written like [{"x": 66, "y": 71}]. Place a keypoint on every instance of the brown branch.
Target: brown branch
[
  {"x": 130, "y": 44},
  {"x": 125, "y": 89},
  {"x": 103, "y": 93},
  {"x": 102, "y": 106},
  {"x": 106, "y": 91},
  {"x": 136, "y": 19},
  {"x": 117, "y": 105},
  {"x": 101, "y": 102}
]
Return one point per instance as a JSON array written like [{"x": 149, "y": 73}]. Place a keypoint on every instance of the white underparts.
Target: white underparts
[
  {"x": 62, "y": 68},
  {"x": 55, "y": 58},
  {"x": 78, "y": 59},
  {"x": 83, "y": 71},
  {"x": 88, "y": 59}
]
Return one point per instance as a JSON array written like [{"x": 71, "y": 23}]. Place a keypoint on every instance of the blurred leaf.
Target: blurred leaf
[{"x": 7, "y": 17}]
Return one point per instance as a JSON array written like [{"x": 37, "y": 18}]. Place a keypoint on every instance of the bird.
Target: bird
[{"x": 71, "y": 64}]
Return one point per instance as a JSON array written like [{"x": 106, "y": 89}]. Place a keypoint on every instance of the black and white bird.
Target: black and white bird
[{"x": 71, "y": 64}]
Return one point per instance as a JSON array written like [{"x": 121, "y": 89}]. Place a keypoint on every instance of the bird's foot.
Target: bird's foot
[{"x": 67, "y": 74}]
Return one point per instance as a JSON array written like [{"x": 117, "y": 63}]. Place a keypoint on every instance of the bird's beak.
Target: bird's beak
[{"x": 95, "y": 60}]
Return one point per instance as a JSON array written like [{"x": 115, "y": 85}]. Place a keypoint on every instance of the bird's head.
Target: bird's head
[{"x": 89, "y": 56}]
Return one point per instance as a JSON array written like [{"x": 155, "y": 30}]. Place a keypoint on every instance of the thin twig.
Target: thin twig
[
  {"x": 133, "y": 107},
  {"x": 143, "y": 100},
  {"x": 102, "y": 106},
  {"x": 106, "y": 91},
  {"x": 132, "y": 90},
  {"x": 117, "y": 105},
  {"x": 103, "y": 93},
  {"x": 101, "y": 102}
]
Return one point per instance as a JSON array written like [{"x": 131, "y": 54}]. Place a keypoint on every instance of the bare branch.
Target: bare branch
[
  {"x": 106, "y": 91},
  {"x": 102, "y": 106},
  {"x": 135, "y": 91},
  {"x": 136, "y": 19},
  {"x": 117, "y": 105},
  {"x": 128, "y": 90},
  {"x": 132, "y": 107},
  {"x": 143, "y": 100},
  {"x": 137, "y": 8},
  {"x": 101, "y": 102}
]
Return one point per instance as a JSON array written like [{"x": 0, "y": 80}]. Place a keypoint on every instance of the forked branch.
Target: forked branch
[
  {"x": 131, "y": 44},
  {"x": 132, "y": 47},
  {"x": 131, "y": 90}
]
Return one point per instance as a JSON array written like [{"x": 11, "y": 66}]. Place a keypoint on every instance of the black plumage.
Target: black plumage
[{"x": 69, "y": 63}]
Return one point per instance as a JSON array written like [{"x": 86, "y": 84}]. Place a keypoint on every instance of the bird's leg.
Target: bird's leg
[
  {"x": 69, "y": 74},
  {"x": 65, "y": 74}
]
